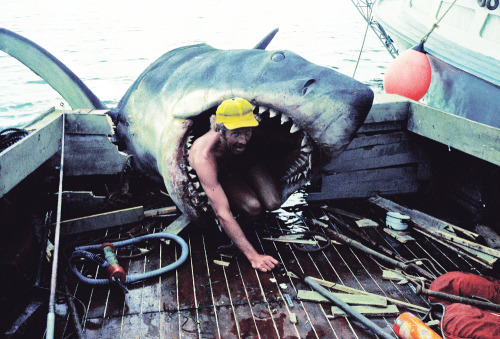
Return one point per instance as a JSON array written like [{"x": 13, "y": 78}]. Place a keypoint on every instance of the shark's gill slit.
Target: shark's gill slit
[
  {"x": 306, "y": 85},
  {"x": 278, "y": 142}
]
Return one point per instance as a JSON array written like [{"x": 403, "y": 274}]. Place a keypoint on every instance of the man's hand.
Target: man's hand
[{"x": 263, "y": 263}]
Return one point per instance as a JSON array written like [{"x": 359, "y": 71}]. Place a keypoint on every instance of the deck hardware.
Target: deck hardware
[
  {"x": 458, "y": 299},
  {"x": 346, "y": 308},
  {"x": 288, "y": 299},
  {"x": 116, "y": 272},
  {"x": 401, "y": 265}
]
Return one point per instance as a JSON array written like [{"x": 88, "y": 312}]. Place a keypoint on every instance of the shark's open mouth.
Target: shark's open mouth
[{"x": 278, "y": 142}]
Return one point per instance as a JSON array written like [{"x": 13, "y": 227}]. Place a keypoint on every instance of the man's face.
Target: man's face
[{"x": 237, "y": 139}]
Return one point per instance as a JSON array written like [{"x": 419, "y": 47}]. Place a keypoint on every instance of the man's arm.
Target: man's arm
[{"x": 207, "y": 173}]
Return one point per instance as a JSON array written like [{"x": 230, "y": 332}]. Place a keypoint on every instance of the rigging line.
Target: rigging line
[
  {"x": 53, "y": 280},
  {"x": 435, "y": 25},
  {"x": 362, "y": 44}
]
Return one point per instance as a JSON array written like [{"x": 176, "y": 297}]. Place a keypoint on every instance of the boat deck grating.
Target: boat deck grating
[{"x": 202, "y": 299}]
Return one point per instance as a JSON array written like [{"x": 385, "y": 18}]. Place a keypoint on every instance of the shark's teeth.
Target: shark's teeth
[
  {"x": 305, "y": 140},
  {"x": 294, "y": 128},
  {"x": 284, "y": 119},
  {"x": 262, "y": 109},
  {"x": 192, "y": 176},
  {"x": 307, "y": 149},
  {"x": 272, "y": 113},
  {"x": 190, "y": 141},
  {"x": 196, "y": 185}
]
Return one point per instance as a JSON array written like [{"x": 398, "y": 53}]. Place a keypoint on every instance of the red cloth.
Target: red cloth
[
  {"x": 462, "y": 321},
  {"x": 466, "y": 285}
]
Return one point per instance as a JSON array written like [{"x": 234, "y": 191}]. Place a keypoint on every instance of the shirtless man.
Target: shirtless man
[{"x": 217, "y": 159}]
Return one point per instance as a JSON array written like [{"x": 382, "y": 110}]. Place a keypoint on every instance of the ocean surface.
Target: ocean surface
[{"x": 108, "y": 43}]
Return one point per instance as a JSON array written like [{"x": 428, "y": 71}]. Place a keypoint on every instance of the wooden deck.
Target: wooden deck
[{"x": 202, "y": 299}]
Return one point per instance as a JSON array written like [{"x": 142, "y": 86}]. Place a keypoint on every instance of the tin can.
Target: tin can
[{"x": 409, "y": 326}]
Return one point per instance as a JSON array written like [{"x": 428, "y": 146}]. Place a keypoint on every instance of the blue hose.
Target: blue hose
[{"x": 130, "y": 279}]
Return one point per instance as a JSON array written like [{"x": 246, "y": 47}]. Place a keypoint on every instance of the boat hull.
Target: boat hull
[{"x": 465, "y": 72}]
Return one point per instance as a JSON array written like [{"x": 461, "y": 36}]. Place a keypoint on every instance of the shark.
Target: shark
[{"x": 308, "y": 113}]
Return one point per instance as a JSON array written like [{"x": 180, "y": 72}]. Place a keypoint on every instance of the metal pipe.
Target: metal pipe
[
  {"x": 458, "y": 299},
  {"x": 53, "y": 280},
  {"x": 405, "y": 267},
  {"x": 348, "y": 309}
]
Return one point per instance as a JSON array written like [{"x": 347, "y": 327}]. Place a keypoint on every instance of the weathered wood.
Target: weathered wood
[
  {"x": 353, "y": 299},
  {"x": 388, "y": 108},
  {"x": 482, "y": 258},
  {"x": 25, "y": 156},
  {"x": 479, "y": 140},
  {"x": 436, "y": 228},
  {"x": 92, "y": 155},
  {"x": 367, "y": 310},
  {"x": 160, "y": 211},
  {"x": 402, "y": 237},
  {"x": 374, "y": 156},
  {"x": 366, "y": 223},
  {"x": 83, "y": 198},
  {"x": 178, "y": 224},
  {"x": 102, "y": 220},
  {"x": 364, "y": 184},
  {"x": 89, "y": 123}
]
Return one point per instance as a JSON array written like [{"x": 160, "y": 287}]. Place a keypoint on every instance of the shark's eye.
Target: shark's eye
[{"x": 278, "y": 56}]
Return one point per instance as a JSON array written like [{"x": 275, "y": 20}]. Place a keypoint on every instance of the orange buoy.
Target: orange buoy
[
  {"x": 408, "y": 326},
  {"x": 409, "y": 74}
]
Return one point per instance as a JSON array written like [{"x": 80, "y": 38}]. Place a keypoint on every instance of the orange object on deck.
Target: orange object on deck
[{"x": 409, "y": 326}]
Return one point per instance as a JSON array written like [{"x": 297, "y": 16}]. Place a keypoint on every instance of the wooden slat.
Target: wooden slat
[
  {"x": 92, "y": 155},
  {"x": 94, "y": 122},
  {"x": 375, "y": 156},
  {"x": 352, "y": 299},
  {"x": 363, "y": 184},
  {"x": 479, "y": 140},
  {"x": 387, "y": 109},
  {"x": 102, "y": 220},
  {"x": 24, "y": 157},
  {"x": 368, "y": 310}
]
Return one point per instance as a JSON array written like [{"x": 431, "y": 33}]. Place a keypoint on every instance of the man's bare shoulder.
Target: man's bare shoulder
[{"x": 203, "y": 152}]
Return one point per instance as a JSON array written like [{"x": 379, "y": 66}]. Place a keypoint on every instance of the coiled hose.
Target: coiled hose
[{"x": 82, "y": 251}]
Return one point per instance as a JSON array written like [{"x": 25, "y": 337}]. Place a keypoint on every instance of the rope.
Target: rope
[
  {"x": 362, "y": 44},
  {"x": 436, "y": 24}
]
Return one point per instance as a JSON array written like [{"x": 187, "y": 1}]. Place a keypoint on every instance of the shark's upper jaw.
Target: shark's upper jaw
[{"x": 288, "y": 151}]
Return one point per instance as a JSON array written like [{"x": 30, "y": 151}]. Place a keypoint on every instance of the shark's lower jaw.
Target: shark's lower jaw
[{"x": 286, "y": 150}]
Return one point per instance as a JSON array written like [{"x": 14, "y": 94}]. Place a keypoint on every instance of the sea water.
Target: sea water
[{"x": 108, "y": 43}]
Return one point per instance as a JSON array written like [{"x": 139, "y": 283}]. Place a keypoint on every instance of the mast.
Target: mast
[{"x": 365, "y": 9}]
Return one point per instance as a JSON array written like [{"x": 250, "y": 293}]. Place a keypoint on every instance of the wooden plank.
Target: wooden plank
[
  {"x": 160, "y": 211},
  {"x": 353, "y": 299},
  {"x": 21, "y": 159},
  {"x": 178, "y": 224},
  {"x": 436, "y": 228},
  {"x": 367, "y": 310},
  {"x": 482, "y": 258},
  {"x": 375, "y": 156},
  {"x": 479, "y": 140},
  {"x": 102, "y": 220},
  {"x": 362, "y": 140},
  {"x": 389, "y": 126},
  {"x": 92, "y": 154},
  {"x": 390, "y": 108},
  {"x": 94, "y": 122},
  {"x": 367, "y": 183}
]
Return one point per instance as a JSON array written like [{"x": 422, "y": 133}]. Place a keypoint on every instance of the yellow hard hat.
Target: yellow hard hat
[{"x": 236, "y": 113}]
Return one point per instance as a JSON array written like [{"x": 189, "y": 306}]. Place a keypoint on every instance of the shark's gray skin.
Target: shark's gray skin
[{"x": 309, "y": 114}]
